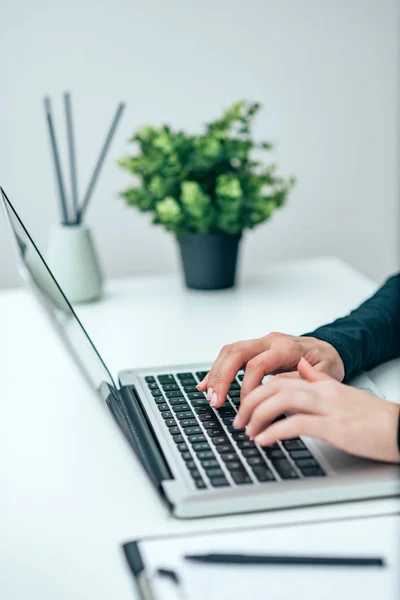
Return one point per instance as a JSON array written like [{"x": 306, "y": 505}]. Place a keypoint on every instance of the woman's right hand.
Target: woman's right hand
[{"x": 268, "y": 355}]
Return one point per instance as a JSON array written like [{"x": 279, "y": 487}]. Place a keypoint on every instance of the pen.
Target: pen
[{"x": 254, "y": 559}]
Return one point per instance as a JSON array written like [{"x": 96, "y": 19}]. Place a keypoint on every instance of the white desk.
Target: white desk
[{"x": 71, "y": 488}]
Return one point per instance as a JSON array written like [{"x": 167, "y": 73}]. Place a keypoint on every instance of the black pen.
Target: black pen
[{"x": 254, "y": 559}]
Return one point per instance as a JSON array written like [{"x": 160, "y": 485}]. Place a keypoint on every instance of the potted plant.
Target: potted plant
[{"x": 206, "y": 189}]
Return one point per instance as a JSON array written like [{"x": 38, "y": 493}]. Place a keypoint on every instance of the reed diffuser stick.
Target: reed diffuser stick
[
  {"x": 71, "y": 151},
  {"x": 100, "y": 161},
  {"x": 56, "y": 158}
]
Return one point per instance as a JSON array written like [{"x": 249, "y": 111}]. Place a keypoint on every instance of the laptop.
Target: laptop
[{"x": 197, "y": 462}]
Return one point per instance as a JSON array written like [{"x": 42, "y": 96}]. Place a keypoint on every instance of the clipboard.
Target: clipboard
[{"x": 161, "y": 572}]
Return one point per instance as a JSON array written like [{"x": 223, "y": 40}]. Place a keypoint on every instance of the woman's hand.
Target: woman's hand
[
  {"x": 273, "y": 353},
  {"x": 321, "y": 407}
]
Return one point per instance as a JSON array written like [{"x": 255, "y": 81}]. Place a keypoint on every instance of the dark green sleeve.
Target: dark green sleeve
[{"x": 370, "y": 334}]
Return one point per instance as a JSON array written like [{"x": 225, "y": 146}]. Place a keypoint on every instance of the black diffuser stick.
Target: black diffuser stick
[
  {"x": 71, "y": 151},
  {"x": 100, "y": 161},
  {"x": 56, "y": 158}
]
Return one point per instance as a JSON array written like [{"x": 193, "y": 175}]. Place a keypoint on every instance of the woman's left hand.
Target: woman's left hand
[{"x": 350, "y": 419}]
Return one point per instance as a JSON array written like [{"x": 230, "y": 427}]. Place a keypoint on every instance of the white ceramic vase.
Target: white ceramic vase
[{"x": 73, "y": 259}]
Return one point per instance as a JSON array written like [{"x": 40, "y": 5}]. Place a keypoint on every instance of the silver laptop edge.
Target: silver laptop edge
[{"x": 348, "y": 477}]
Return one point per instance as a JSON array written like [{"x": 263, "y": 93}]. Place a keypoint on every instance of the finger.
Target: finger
[
  {"x": 279, "y": 357},
  {"x": 202, "y": 386},
  {"x": 285, "y": 401},
  {"x": 230, "y": 360},
  {"x": 309, "y": 373},
  {"x": 265, "y": 392},
  {"x": 288, "y": 375},
  {"x": 309, "y": 425}
]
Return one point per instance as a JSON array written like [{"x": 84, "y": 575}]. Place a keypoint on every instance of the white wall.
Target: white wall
[{"x": 327, "y": 73}]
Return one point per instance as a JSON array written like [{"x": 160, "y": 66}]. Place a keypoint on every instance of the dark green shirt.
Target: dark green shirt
[{"x": 370, "y": 334}]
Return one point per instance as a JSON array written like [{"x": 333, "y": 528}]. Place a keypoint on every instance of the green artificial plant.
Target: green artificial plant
[{"x": 205, "y": 183}]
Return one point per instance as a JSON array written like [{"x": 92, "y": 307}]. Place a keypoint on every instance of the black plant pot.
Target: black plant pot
[{"x": 209, "y": 260}]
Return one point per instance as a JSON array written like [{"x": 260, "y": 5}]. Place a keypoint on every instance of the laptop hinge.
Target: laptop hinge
[{"x": 124, "y": 404}]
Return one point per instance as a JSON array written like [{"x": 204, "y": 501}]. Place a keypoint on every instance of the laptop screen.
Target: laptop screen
[{"x": 40, "y": 279}]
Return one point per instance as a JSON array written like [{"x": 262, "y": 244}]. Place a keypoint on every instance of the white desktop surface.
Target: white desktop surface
[{"x": 71, "y": 488}]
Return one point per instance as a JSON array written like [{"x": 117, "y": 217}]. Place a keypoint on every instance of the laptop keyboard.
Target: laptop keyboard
[{"x": 216, "y": 454}]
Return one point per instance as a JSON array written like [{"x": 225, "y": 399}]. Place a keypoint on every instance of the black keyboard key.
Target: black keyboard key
[
  {"x": 190, "y": 388},
  {"x": 199, "y": 483},
  {"x": 188, "y": 423},
  {"x": 186, "y": 456},
  {"x": 219, "y": 482},
  {"x": 163, "y": 406},
  {"x": 214, "y": 473},
  {"x": 201, "y": 446},
  {"x": 274, "y": 453},
  {"x": 170, "y": 387},
  {"x": 166, "y": 379},
  {"x": 184, "y": 375},
  {"x": 201, "y": 374},
  {"x": 174, "y": 430},
  {"x": 195, "y": 473},
  {"x": 209, "y": 463},
  {"x": 239, "y": 436},
  {"x": 159, "y": 399},
  {"x": 226, "y": 410},
  {"x": 240, "y": 477},
  {"x": 312, "y": 472},
  {"x": 156, "y": 392},
  {"x": 200, "y": 402},
  {"x": 255, "y": 461},
  {"x": 300, "y": 454},
  {"x": 240, "y": 376},
  {"x": 208, "y": 416},
  {"x": 223, "y": 449},
  {"x": 284, "y": 468},
  {"x": 178, "y": 439},
  {"x": 244, "y": 444},
  {"x": 193, "y": 439},
  {"x": 205, "y": 454},
  {"x": 192, "y": 430},
  {"x": 234, "y": 465},
  {"x": 188, "y": 382},
  {"x": 229, "y": 456},
  {"x": 182, "y": 447},
  {"x": 184, "y": 415},
  {"x": 191, "y": 465},
  {"x": 236, "y": 401},
  {"x": 196, "y": 395},
  {"x": 216, "y": 432},
  {"x": 250, "y": 452},
  {"x": 306, "y": 462},
  {"x": 227, "y": 420},
  {"x": 294, "y": 444},
  {"x": 203, "y": 410},
  {"x": 170, "y": 422},
  {"x": 220, "y": 440},
  {"x": 182, "y": 409},
  {"x": 152, "y": 385},
  {"x": 263, "y": 473},
  {"x": 178, "y": 401},
  {"x": 149, "y": 379},
  {"x": 234, "y": 394},
  {"x": 174, "y": 394},
  {"x": 167, "y": 414}
]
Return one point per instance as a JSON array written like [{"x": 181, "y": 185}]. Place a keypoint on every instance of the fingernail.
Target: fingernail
[
  {"x": 236, "y": 421},
  {"x": 248, "y": 430},
  {"x": 209, "y": 393},
  {"x": 201, "y": 382},
  {"x": 259, "y": 439},
  {"x": 213, "y": 400}
]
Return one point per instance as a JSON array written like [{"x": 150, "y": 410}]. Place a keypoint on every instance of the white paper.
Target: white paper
[{"x": 377, "y": 537}]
